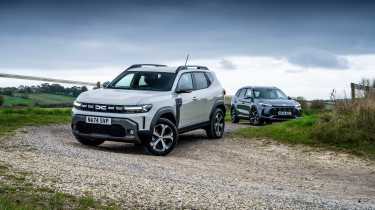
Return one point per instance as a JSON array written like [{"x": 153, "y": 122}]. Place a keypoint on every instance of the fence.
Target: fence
[{"x": 361, "y": 90}]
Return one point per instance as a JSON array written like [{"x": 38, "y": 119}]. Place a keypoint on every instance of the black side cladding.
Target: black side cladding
[{"x": 178, "y": 109}]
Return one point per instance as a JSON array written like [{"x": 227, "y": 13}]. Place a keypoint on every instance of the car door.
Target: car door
[
  {"x": 240, "y": 106},
  {"x": 203, "y": 97},
  {"x": 188, "y": 104},
  {"x": 245, "y": 101}
]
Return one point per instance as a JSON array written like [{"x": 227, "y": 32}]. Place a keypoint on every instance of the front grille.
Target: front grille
[
  {"x": 112, "y": 130},
  {"x": 102, "y": 108},
  {"x": 275, "y": 111}
]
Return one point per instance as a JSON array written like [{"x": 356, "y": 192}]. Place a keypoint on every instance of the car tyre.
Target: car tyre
[
  {"x": 217, "y": 125},
  {"x": 163, "y": 138},
  {"x": 234, "y": 116},
  {"x": 89, "y": 142},
  {"x": 254, "y": 117}
]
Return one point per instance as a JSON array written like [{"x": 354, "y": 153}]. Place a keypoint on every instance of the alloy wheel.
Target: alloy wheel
[
  {"x": 219, "y": 124},
  {"x": 254, "y": 118},
  {"x": 162, "y": 138}
]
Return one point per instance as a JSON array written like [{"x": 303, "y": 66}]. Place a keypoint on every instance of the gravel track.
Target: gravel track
[{"x": 201, "y": 174}]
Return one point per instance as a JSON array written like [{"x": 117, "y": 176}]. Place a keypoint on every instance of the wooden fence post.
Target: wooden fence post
[{"x": 352, "y": 87}]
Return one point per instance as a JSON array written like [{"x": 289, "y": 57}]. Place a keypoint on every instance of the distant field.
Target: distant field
[
  {"x": 44, "y": 98},
  {"x": 37, "y": 98},
  {"x": 11, "y": 101}
]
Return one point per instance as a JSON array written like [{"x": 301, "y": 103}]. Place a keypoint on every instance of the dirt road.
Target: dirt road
[{"x": 199, "y": 173}]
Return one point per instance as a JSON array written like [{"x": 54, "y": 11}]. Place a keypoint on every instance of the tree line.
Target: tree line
[{"x": 44, "y": 88}]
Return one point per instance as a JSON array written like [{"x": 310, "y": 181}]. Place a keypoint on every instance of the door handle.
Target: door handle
[{"x": 195, "y": 98}]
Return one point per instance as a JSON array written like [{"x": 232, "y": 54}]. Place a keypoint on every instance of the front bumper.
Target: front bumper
[
  {"x": 271, "y": 113},
  {"x": 121, "y": 129}
]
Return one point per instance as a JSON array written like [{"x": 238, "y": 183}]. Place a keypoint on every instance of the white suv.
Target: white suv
[{"x": 151, "y": 104}]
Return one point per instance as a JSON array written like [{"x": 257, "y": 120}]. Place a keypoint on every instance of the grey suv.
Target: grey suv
[{"x": 263, "y": 104}]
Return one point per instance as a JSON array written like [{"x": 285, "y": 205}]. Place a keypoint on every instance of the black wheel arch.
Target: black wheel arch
[
  {"x": 165, "y": 112},
  {"x": 218, "y": 104}
]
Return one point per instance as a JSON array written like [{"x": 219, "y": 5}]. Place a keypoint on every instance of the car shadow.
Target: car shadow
[{"x": 185, "y": 140}]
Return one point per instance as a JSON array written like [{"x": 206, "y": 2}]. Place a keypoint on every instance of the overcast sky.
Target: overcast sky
[{"x": 305, "y": 48}]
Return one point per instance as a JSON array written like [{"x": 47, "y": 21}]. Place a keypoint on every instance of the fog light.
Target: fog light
[{"x": 131, "y": 132}]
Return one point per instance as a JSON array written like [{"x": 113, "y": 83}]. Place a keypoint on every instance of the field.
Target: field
[
  {"x": 12, "y": 101},
  {"x": 38, "y": 99}
]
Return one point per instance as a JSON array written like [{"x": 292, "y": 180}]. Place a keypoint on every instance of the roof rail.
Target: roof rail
[
  {"x": 145, "y": 64},
  {"x": 191, "y": 66}
]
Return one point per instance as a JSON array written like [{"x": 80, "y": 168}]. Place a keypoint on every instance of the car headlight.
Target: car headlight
[
  {"x": 265, "y": 105},
  {"x": 138, "y": 108},
  {"x": 298, "y": 106},
  {"x": 77, "y": 104}
]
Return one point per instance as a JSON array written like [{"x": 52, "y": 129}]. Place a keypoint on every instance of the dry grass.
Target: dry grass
[{"x": 350, "y": 126}]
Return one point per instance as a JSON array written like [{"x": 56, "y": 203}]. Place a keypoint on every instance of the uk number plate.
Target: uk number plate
[
  {"x": 283, "y": 113},
  {"x": 98, "y": 120}
]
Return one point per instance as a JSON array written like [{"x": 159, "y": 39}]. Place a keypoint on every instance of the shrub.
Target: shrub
[
  {"x": 317, "y": 105},
  {"x": 302, "y": 101},
  {"x": 1, "y": 100},
  {"x": 350, "y": 124}
]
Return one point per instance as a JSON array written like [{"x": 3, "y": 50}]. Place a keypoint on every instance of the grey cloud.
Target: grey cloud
[
  {"x": 318, "y": 58},
  {"x": 227, "y": 65},
  {"x": 70, "y": 34}
]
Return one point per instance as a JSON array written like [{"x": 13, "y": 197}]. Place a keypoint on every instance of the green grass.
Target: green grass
[
  {"x": 11, "y": 119},
  {"x": 293, "y": 131}
]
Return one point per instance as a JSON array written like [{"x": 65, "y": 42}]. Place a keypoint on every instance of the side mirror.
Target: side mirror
[
  {"x": 249, "y": 97},
  {"x": 289, "y": 98},
  {"x": 106, "y": 84}
]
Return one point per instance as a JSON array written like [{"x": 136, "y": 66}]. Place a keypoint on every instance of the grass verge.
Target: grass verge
[
  {"x": 18, "y": 194},
  {"x": 12, "y": 119},
  {"x": 314, "y": 130},
  {"x": 294, "y": 131}
]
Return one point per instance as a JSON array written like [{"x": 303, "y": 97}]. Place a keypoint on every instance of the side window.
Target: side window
[
  {"x": 256, "y": 94},
  {"x": 210, "y": 77},
  {"x": 185, "y": 82},
  {"x": 238, "y": 93},
  {"x": 142, "y": 81},
  {"x": 248, "y": 93},
  {"x": 201, "y": 81}
]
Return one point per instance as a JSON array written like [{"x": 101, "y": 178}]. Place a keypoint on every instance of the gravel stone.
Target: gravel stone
[{"x": 228, "y": 173}]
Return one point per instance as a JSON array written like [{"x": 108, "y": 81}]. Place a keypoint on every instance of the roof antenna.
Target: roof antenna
[{"x": 187, "y": 58}]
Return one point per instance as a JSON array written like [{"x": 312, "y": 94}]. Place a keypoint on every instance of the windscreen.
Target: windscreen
[
  {"x": 143, "y": 80},
  {"x": 269, "y": 93}
]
